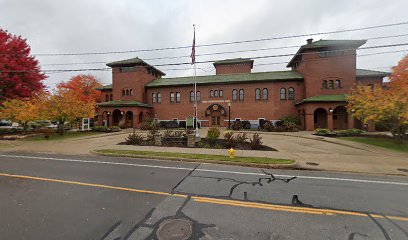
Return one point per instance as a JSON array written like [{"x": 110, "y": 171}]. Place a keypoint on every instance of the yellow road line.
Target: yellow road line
[{"x": 237, "y": 203}]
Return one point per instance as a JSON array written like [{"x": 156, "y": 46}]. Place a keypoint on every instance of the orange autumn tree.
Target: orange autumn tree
[
  {"x": 22, "y": 111},
  {"x": 84, "y": 86},
  {"x": 388, "y": 106}
]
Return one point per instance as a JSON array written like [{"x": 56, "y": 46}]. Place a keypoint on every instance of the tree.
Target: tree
[
  {"x": 22, "y": 111},
  {"x": 386, "y": 105},
  {"x": 20, "y": 74},
  {"x": 65, "y": 106},
  {"x": 83, "y": 85}
]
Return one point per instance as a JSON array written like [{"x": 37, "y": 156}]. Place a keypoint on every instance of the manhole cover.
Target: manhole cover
[
  {"x": 175, "y": 229},
  {"x": 402, "y": 169},
  {"x": 312, "y": 163}
]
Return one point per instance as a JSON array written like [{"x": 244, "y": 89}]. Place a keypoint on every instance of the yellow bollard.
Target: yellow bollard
[{"x": 231, "y": 153}]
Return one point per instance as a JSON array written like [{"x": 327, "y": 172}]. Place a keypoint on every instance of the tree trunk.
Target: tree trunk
[{"x": 60, "y": 128}]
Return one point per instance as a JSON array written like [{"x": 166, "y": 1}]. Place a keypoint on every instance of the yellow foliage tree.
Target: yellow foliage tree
[
  {"x": 22, "y": 111},
  {"x": 388, "y": 105}
]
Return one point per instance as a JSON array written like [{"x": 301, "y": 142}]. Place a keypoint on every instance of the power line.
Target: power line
[{"x": 224, "y": 43}]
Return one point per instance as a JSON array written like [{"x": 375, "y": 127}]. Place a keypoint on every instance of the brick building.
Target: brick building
[{"x": 321, "y": 74}]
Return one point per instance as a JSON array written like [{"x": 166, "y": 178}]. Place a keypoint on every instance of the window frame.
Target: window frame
[
  {"x": 234, "y": 95},
  {"x": 331, "y": 84},
  {"x": 220, "y": 93},
  {"x": 324, "y": 84},
  {"x": 178, "y": 97},
  {"x": 258, "y": 94},
  {"x": 241, "y": 95},
  {"x": 265, "y": 90},
  {"x": 158, "y": 97},
  {"x": 198, "y": 97},
  {"x": 154, "y": 98},
  {"x": 211, "y": 93},
  {"x": 216, "y": 93},
  {"x": 337, "y": 83},
  {"x": 282, "y": 93},
  {"x": 172, "y": 97},
  {"x": 291, "y": 93},
  {"x": 192, "y": 96}
]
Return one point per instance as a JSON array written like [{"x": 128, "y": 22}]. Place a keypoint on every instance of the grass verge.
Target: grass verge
[
  {"x": 195, "y": 156},
  {"x": 388, "y": 143},
  {"x": 67, "y": 135}
]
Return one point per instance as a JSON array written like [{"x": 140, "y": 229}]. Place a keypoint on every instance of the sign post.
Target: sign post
[{"x": 86, "y": 124}]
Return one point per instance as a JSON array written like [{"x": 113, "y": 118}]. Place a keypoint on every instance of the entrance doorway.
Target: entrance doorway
[
  {"x": 215, "y": 121},
  {"x": 117, "y": 117},
  {"x": 320, "y": 118},
  {"x": 340, "y": 120},
  {"x": 129, "y": 119}
]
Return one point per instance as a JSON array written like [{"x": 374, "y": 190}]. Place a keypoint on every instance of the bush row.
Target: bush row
[{"x": 339, "y": 133}]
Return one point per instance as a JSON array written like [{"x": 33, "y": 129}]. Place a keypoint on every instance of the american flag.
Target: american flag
[{"x": 193, "y": 50}]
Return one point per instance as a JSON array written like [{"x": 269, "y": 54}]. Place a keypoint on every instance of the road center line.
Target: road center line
[{"x": 206, "y": 170}]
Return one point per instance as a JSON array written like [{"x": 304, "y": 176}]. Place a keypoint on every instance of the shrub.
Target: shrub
[
  {"x": 241, "y": 137},
  {"x": 246, "y": 124},
  {"x": 255, "y": 142},
  {"x": 213, "y": 134},
  {"x": 289, "y": 126},
  {"x": 134, "y": 139},
  {"x": 322, "y": 131},
  {"x": 100, "y": 129},
  {"x": 115, "y": 129},
  {"x": 144, "y": 126},
  {"x": 279, "y": 123},
  {"x": 182, "y": 124},
  {"x": 291, "y": 119},
  {"x": 349, "y": 132},
  {"x": 267, "y": 126},
  {"x": 229, "y": 139},
  {"x": 236, "y": 125},
  {"x": 46, "y": 132},
  {"x": 280, "y": 129}
]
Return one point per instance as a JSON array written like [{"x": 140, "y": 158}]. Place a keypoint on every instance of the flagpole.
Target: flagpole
[{"x": 195, "y": 90}]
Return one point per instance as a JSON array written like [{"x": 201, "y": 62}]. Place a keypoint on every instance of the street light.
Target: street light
[{"x": 229, "y": 115}]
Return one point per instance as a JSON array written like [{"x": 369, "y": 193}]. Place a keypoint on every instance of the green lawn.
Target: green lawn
[
  {"x": 260, "y": 160},
  {"x": 380, "y": 142},
  {"x": 67, "y": 135}
]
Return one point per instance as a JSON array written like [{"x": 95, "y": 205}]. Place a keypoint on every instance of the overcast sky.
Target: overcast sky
[{"x": 78, "y": 26}]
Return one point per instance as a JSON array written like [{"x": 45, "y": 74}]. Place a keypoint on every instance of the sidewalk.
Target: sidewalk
[{"x": 311, "y": 152}]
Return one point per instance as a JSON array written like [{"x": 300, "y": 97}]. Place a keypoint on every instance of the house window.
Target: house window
[
  {"x": 234, "y": 95},
  {"x": 221, "y": 93},
  {"x": 216, "y": 93},
  {"x": 159, "y": 97},
  {"x": 154, "y": 98},
  {"x": 198, "y": 96},
  {"x": 291, "y": 93},
  {"x": 178, "y": 97},
  {"x": 127, "y": 92},
  {"x": 257, "y": 94},
  {"x": 191, "y": 96},
  {"x": 338, "y": 83},
  {"x": 172, "y": 97},
  {"x": 211, "y": 93},
  {"x": 127, "y": 69},
  {"x": 265, "y": 94},
  {"x": 241, "y": 95},
  {"x": 111, "y": 97},
  {"x": 283, "y": 94},
  {"x": 131, "y": 92},
  {"x": 324, "y": 84},
  {"x": 331, "y": 84},
  {"x": 107, "y": 98}
]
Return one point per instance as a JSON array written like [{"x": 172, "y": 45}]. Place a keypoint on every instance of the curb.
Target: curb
[{"x": 256, "y": 165}]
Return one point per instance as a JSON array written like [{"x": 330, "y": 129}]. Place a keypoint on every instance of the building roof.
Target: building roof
[
  {"x": 234, "y": 61},
  {"x": 370, "y": 73},
  {"x": 133, "y": 62},
  {"x": 227, "y": 78},
  {"x": 325, "y": 98},
  {"x": 124, "y": 103},
  {"x": 354, "y": 44},
  {"x": 106, "y": 87}
]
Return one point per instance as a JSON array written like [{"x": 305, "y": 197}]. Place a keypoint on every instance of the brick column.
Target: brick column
[
  {"x": 329, "y": 120},
  {"x": 309, "y": 122},
  {"x": 350, "y": 120},
  {"x": 110, "y": 117}
]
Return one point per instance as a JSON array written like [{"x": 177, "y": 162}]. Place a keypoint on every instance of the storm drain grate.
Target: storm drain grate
[{"x": 175, "y": 229}]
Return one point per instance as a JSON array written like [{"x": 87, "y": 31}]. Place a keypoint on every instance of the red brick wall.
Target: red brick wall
[
  {"x": 233, "y": 68},
  {"x": 249, "y": 109},
  {"x": 369, "y": 80}
]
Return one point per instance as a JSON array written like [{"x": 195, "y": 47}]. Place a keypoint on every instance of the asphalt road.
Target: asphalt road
[{"x": 95, "y": 197}]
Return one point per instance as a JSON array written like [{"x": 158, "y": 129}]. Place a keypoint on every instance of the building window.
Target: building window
[
  {"x": 111, "y": 97},
  {"x": 159, "y": 97},
  {"x": 283, "y": 94},
  {"x": 221, "y": 93},
  {"x": 324, "y": 84},
  {"x": 291, "y": 93},
  {"x": 123, "y": 92},
  {"x": 172, "y": 97},
  {"x": 178, "y": 97},
  {"x": 265, "y": 94},
  {"x": 241, "y": 95},
  {"x": 211, "y": 93},
  {"x": 331, "y": 84},
  {"x": 107, "y": 98},
  {"x": 257, "y": 94},
  {"x": 127, "y": 69},
  {"x": 338, "y": 83},
  {"x": 191, "y": 96},
  {"x": 198, "y": 96},
  {"x": 131, "y": 92},
  {"x": 216, "y": 93},
  {"x": 154, "y": 97},
  {"x": 234, "y": 95}
]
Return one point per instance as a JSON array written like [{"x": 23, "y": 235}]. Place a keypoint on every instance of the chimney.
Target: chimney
[{"x": 309, "y": 41}]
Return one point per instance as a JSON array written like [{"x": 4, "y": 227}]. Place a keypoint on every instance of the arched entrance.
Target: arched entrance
[
  {"x": 340, "y": 120},
  {"x": 105, "y": 119},
  {"x": 320, "y": 118},
  {"x": 129, "y": 119},
  {"x": 216, "y": 113},
  {"x": 117, "y": 117},
  {"x": 141, "y": 118}
]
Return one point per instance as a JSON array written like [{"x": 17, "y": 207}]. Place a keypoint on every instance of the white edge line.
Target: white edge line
[{"x": 206, "y": 170}]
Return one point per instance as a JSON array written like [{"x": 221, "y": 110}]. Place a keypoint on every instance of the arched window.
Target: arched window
[
  {"x": 265, "y": 94},
  {"x": 221, "y": 93},
  {"x": 178, "y": 97},
  {"x": 324, "y": 84},
  {"x": 111, "y": 97},
  {"x": 283, "y": 94},
  {"x": 123, "y": 92},
  {"x": 191, "y": 96},
  {"x": 107, "y": 98},
  {"x": 331, "y": 84},
  {"x": 257, "y": 94},
  {"x": 127, "y": 92},
  {"x": 154, "y": 98},
  {"x": 131, "y": 92},
  {"x": 172, "y": 97},
  {"x": 159, "y": 97},
  {"x": 198, "y": 96},
  {"x": 291, "y": 93},
  {"x": 234, "y": 95},
  {"x": 241, "y": 95},
  {"x": 338, "y": 83},
  {"x": 211, "y": 93},
  {"x": 216, "y": 93}
]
